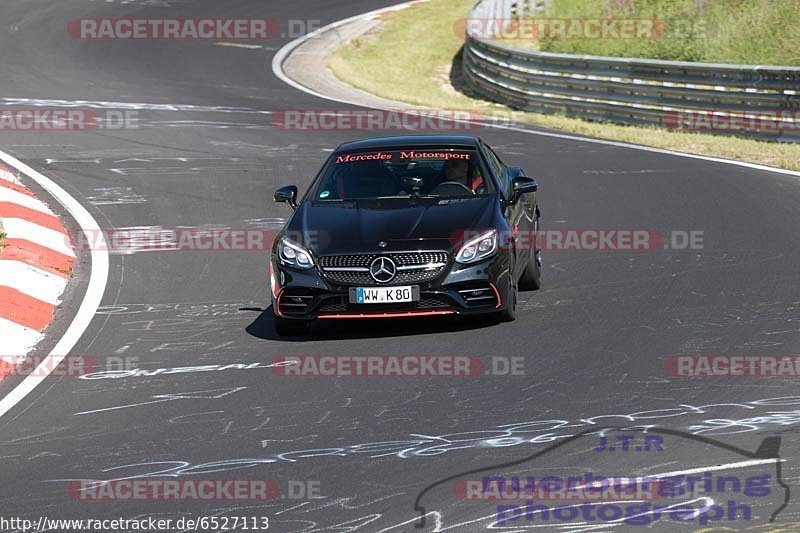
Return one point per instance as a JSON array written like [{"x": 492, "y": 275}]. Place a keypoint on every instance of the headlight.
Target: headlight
[
  {"x": 481, "y": 247},
  {"x": 292, "y": 254}
]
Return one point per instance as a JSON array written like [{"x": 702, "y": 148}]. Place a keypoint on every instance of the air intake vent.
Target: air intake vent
[
  {"x": 479, "y": 296},
  {"x": 295, "y": 303}
]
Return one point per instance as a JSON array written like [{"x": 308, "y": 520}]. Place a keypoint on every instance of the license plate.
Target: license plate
[{"x": 383, "y": 295}]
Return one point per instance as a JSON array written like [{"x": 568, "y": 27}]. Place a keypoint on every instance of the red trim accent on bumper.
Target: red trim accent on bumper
[
  {"x": 277, "y": 306},
  {"x": 273, "y": 282},
  {"x": 390, "y": 315},
  {"x": 497, "y": 294}
]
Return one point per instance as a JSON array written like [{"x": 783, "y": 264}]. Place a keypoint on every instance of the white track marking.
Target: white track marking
[
  {"x": 16, "y": 197},
  {"x": 17, "y": 228},
  {"x": 101, "y": 104},
  {"x": 239, "y": 45},
  {"x": 35, "y": 282},
  {"x": 94, "y": 291},
  {"x": 17, "y": 340},
  {"x": 281, "y": 55},
  {"x": 8, "y": 176},
  {"x": 715, "y": 468}
]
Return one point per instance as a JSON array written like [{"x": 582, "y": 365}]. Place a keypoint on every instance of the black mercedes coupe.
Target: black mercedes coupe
[{"x": 406, "y": 226}]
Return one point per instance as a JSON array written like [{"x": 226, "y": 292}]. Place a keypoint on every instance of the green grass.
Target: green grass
[
  {"x": 411, "y": 55},
  {"x": 409, "y": 59},
  {"x": 758, "y": 32}
]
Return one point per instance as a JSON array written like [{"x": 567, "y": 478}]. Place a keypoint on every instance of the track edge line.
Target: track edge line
[{"x": 98, "y": 279}]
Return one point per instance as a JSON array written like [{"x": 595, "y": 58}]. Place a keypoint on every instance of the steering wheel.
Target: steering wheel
[{"x": 451, "y": 188}]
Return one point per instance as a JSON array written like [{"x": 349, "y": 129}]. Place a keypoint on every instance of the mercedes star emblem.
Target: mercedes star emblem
[{"x": 383, "y": 270}]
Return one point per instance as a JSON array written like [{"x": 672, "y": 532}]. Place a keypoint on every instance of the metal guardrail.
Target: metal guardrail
[{"x": 762, "y": 101}]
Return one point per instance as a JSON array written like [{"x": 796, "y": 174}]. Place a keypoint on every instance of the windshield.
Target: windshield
[{"x": 428, "y": 172}]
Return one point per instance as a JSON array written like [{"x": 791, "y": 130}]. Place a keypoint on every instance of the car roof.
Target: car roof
[{"x": 406, "y": 141}]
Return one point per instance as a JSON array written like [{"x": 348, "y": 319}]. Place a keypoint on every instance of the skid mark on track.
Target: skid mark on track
[
  {"x": 115, "y": 196},
  {"x": 761, "y": 414},
  {"x": 145, "y": 3},
  {"x": 137, "y": 106},
  {"x": 214, "y": 394}
]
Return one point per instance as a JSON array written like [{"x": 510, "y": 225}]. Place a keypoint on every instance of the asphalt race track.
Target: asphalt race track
[{"x": 593, "y": 340}]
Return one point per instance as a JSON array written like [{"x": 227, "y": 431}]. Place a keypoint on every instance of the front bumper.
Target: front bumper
[{"x": 459, "y": 290}]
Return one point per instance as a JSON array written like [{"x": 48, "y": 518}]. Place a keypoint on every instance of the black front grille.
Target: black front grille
[
  {"x": 301, "y": 302},
  {"x": 350, "y": 278},
  {"x": 363, "y": 279},
  {"x": 333, "y": 305},
  {"x": 331, "y": 263},
  {"x": 340, "y": 304},
  {"x": 340, "y": 261},
  {"x": 364, "y": 260},
  {"x": 419, "y": 258},
  {"x": 432, "y": 303}
]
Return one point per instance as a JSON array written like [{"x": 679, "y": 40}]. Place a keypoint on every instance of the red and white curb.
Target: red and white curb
[
  {"x": 35, "y": 265},
  {"x": 86, "y": 310}
]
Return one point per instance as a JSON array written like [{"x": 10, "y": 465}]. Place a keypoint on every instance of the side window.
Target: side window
[{"x": 497, "y": 168}]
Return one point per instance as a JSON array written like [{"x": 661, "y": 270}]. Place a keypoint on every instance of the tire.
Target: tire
[
  {"x": 286, "y": 327},
  {"x": 531, "y": 278},
  {"x": 509, "y": 314}
]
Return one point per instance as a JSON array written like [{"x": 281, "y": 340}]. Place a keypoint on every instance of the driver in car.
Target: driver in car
[{"x": 458, "y": 171}]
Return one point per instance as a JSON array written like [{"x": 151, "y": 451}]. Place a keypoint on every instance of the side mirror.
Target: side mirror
[
  {"x": 523, "y": 185},
  {"x": 287, "y": 194}
]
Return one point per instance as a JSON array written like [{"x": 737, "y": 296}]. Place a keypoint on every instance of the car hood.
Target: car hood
[{"x": 402, "y": 224}]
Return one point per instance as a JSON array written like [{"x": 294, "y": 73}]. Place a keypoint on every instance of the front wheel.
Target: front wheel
[
  {"x": 286, "y": 327},
  {"x": 531, "y": 278},
  {"x": 509, "y": 314}
]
